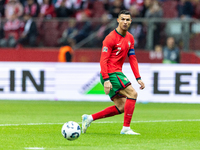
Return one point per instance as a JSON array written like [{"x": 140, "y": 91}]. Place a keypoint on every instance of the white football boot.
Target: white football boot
[
  {"x": 129, "y": 131},
  {"x": 85, "y": 122}
]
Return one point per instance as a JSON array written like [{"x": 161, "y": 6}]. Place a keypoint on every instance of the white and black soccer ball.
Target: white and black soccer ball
[{"x": 71, "y": 130}]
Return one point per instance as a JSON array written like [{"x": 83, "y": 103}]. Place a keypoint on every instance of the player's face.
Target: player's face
[{"x": 124, "y": 21}]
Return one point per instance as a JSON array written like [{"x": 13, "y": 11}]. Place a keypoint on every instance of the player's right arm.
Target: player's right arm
[{"x": 105, "y": 55}]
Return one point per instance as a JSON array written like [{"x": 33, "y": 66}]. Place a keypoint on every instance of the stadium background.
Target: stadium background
[
  {"x": 38, "y": 94},
  {"x": 185, "y": 30}
]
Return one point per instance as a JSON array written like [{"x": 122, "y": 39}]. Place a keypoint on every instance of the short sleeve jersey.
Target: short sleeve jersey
[{"x": 114, "y": 51}]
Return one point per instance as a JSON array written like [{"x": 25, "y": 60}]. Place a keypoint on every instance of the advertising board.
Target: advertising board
[{"x": 174, "y": 83}]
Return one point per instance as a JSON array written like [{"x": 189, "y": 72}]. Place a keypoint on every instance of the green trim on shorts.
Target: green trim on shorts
[{"x": 119, "y": 81}]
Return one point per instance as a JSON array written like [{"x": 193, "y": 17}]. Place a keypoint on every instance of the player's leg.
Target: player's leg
[
  {"x": 116, "y": 109},
  {"x": 129, "y": 107},
  {"x": 119, "y": 81},
  {"x": 107, "y": 112}
]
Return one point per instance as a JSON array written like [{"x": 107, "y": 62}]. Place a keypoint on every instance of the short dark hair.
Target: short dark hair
[{"x": 125, "y": 12}]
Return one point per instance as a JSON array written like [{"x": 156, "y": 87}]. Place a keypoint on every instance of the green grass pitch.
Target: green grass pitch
[{"x": 37, "y": 125}]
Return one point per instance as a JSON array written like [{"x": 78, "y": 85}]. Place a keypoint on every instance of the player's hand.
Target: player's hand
[
  {"x": 141, "y": 83},
  {"x": 107, "y": 87}
]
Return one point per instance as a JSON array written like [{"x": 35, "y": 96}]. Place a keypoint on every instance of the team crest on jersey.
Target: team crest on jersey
[
  {"x": 129, "y": 44},
  {"x": 105, "y": 49}
]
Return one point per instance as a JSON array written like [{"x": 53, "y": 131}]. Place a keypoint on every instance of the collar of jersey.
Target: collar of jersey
[{"x": 119, "y": 33}]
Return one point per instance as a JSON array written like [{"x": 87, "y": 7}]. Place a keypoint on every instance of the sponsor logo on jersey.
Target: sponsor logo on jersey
[{"x": 105, "y": 49}]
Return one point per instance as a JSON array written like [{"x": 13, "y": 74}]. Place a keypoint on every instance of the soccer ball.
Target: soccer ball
[{"x": 71, "y": 130}]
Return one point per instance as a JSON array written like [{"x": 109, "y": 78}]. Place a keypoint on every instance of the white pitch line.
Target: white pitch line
[
  {"x": 29, "y": 124},
  {"x": 34, "y": 148},
  {"x": 148, "y": 121}
]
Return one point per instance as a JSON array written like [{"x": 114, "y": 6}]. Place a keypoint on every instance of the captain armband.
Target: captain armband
[{"x": 131, "y": 52}]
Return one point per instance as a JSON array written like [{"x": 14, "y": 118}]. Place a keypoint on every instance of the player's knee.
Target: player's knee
[
  {"x": 121, "y": 108},
  {"x": 135, "y": 94},
  {"x": 132, "y": 94}
]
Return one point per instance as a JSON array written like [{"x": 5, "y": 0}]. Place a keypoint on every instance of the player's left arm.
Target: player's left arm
[{"x": 134, "y": 65}]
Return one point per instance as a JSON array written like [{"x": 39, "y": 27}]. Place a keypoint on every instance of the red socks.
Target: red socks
[
  {"x": 113, "y": 110},
  {"x": 128, "y": 111},
  {"x": 108, "y": 112}
]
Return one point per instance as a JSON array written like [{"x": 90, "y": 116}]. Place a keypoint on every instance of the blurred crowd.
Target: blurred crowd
[{"x": 20, "y": 27}]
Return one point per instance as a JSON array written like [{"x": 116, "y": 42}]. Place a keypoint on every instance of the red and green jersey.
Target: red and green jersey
[{"x": 114, "y": 51}]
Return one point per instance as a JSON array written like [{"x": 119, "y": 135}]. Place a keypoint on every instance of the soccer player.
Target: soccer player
[{"x": 116, "y": 46}]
